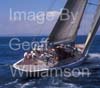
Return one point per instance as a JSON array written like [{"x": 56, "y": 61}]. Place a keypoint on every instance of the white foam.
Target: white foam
[
  {"x": 28, "y": 84},
  {"x": 94, "y": 55},
  {"x": 70, "y": 85},
  {"x": 13, "y": 82}
]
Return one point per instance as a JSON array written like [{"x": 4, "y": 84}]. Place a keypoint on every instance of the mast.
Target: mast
[{"x": 94, "y": 27}]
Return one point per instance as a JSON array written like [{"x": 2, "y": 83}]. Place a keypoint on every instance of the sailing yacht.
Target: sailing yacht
[{"x": 61, "y": 51}]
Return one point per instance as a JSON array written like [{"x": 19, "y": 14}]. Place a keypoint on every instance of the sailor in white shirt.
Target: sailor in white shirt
[
  {"x": 39, "y": 48},
  {"x": 42, "y": 47},
  {"x": 33, "y": 54},
  {"x": 25, "y": 54},
  {"x": 42, "y": 56},
  {"x": 35, "y": 47}
]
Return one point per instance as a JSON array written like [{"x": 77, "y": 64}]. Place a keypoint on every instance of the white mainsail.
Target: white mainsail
[{"x": 66, "y": 30}]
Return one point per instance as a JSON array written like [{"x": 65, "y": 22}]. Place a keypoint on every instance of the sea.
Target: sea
[{"x": 8, "y": 57}]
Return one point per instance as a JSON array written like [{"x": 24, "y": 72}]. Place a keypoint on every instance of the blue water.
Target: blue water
[{"x": 8, "y": 57}]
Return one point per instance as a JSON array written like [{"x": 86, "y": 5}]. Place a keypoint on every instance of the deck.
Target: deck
[{"x": 30, "y": 65}]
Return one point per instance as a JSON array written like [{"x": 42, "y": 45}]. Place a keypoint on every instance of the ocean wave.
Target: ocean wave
[
  {"x": 93, "y": 58},
  {"x": 94, "y": 55},
  {"x": 26, "y": 85},
  {"x": 92, "y": 61},
  {"x": 70, "y": 85},
  {"x": 10, "y": 83}
]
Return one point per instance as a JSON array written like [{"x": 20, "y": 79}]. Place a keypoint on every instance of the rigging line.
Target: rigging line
[
  {"x": 48, "y": 9},
  {"x": 52, "y": 4},
  {"x": 43, "y": 25}
]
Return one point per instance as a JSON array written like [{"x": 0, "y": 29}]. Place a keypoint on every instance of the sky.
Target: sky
[{"x": 30, "y": 28}]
